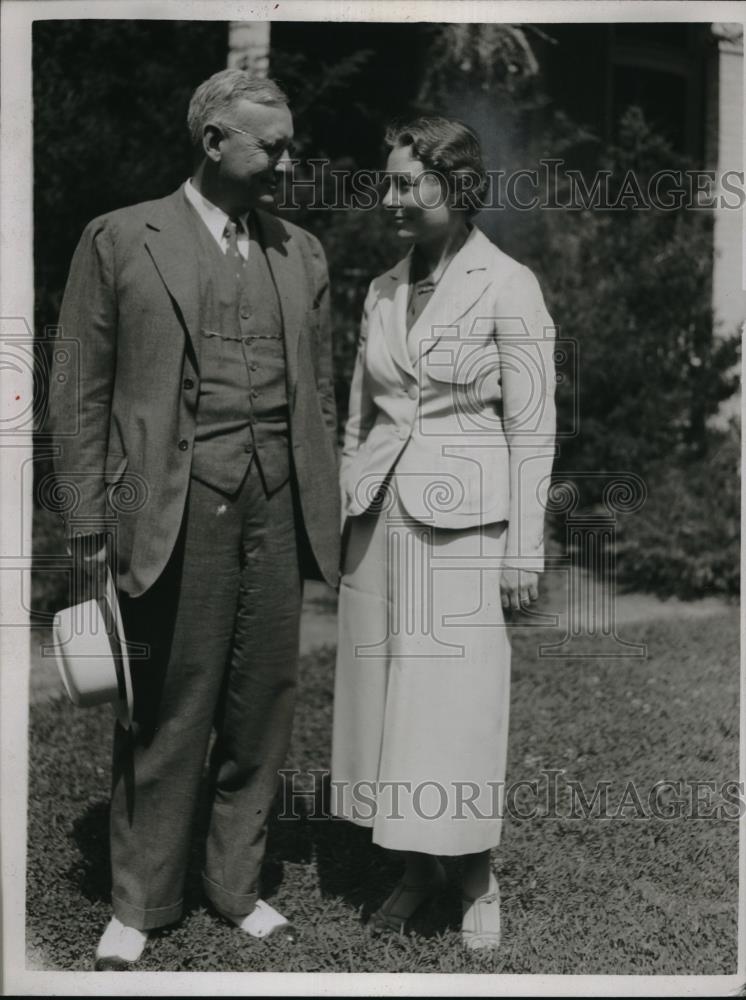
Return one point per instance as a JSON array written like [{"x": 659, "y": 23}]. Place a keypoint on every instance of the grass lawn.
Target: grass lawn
[{"x": 584, "y": 895}]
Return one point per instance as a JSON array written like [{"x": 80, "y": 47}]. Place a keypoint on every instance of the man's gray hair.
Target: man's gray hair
[{"x": 213, "y": 98}]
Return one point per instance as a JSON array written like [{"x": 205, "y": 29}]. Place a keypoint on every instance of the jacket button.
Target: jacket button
[
  {"x": 245, "y": 313},
  {"x": 183, "y": 444},
  {"x": 188, "y": 383},
  {"x": 413, "y": 392}
]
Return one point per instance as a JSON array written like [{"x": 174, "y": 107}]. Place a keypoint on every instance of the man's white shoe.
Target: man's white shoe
[
  {"x": 119, "y": 947},
  {"x": 263, "y": 921}
]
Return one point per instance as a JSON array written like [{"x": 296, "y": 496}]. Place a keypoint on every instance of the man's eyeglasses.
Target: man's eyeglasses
[{"x": 274, "y": 155}]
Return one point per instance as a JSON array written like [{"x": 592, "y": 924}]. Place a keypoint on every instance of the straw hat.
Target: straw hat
[{"x": 91, "y": 653}]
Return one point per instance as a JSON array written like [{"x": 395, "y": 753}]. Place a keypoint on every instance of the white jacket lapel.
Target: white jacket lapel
[
  {"x": 392, "y": 313},
  {"x": 464, "y": 283}
]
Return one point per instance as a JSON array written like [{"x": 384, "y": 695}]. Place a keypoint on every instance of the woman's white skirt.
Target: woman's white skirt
[{"x": 422, "y": 688}]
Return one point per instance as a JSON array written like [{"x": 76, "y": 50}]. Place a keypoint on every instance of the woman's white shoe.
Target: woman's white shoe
[{"x": 480, "y": 927}]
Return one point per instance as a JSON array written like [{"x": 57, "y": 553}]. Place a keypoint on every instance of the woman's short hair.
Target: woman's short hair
[
  {"x": 448, "y": 147},
  {"x": 216, "y": 96}
]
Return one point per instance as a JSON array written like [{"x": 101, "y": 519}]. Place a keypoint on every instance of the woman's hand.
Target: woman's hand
[{"x": 518, "y": 588}]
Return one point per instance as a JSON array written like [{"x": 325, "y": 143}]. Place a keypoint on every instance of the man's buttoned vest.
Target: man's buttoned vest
[{"x": 242, "y": 410}]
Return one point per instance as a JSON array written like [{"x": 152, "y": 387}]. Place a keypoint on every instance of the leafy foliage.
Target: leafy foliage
[
  {"x": 484, "y": 56},
  {"x": 632, "y": 289},
  {"x": 686, "y": 539},
  {"x": 315, "y": 91},
  {"x": 110, "y": 103},
  {"x": 359, "y": 246}
]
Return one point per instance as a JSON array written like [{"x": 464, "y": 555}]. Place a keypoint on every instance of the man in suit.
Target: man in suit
[{"x": 207, "y": 437}]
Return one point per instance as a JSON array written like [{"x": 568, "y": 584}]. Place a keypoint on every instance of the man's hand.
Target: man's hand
[
  {"x": 518, "y": 588},
  {"x": 90, "y": 560}
]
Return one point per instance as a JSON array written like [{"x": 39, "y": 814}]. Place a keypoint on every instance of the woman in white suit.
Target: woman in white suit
[{"x": 447, "y": 455}]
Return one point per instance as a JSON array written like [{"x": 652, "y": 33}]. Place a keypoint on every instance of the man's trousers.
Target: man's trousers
[{"x": 222, "y": 626}]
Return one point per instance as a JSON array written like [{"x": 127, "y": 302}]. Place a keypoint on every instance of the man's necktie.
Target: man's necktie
[{"x": 232, "y": 228}]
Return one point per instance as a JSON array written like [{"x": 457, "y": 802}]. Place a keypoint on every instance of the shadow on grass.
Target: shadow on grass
[
  {"x": 90, "y": 872},
  {"x": 350, "y": 867}
]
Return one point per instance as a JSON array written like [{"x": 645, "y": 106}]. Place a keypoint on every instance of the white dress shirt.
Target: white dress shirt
[{"x": 215, "y": 219}]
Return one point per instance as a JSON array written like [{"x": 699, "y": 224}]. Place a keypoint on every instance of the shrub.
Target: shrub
[
  {"x": 685, "y": 541},
  {"x": 632, "y": 289}
]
